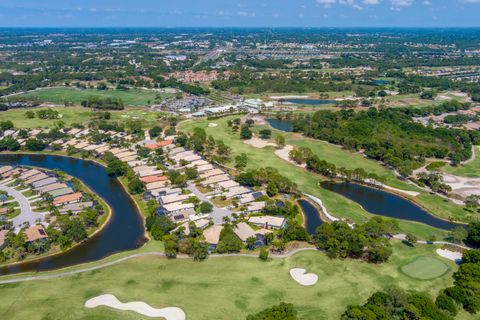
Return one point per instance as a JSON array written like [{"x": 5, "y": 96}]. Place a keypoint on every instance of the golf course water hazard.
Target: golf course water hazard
[
  {"x": 386, "y": 204},
  {"x": 124, "y": 231},
  {"x": 312, "y": 216},
  {"x": 282, "y": 125}
]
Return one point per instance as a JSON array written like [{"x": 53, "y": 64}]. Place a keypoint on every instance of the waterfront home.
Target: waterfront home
[
  {"x": 102, "y": 150},
  {"x": 156, "y": 185},
  {"x": 125, "y": 154},
  {"x": 177, "y": 207},
  {"x": 76, "y": 207},
  {"x": 136, "y": 163},
  {"x": 35, "y": 233},
  {"x": 5, "y": 169},
  {"x": 44, "y": 182},
  {"x": 143, "y": 168},
  {"x": 150, "y": 179},
  {"x": 52, "y": 187},
  {"x": 82, "y": 145},
  {"x": 173, "y": 198},
  {"x": 28, "y": 173},
  {"x": 268, "y": 222},
  {"x": 244, "y": 231},
  {"x": 60, "y": 192},
  {"x": 36, "y": 177},
  {"x": 67, "y": 199},
  {"x": 130, "y": 158}
]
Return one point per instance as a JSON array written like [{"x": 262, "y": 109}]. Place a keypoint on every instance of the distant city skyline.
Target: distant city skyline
[{"x": 240, "y": 13}]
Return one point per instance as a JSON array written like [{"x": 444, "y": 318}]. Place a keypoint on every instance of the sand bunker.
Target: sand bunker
[
  {"x": 212, "y": 124},
  {"x": 303, "y": 278},
  {"x": 450, "y": 255},
  {"x": 259, "y": 143},
  {"x": 109, "y": 300},
  {"x": 461, "y": 185}
]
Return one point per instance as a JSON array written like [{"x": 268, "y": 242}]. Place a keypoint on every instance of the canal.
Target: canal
[{"x": 124, "y": 231}]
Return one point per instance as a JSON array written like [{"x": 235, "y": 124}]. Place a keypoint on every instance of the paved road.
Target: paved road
[
  {"x": 145, "y": 254},
  {"x": 26, "y": 213},
  {"x": 217, "y": 213}
]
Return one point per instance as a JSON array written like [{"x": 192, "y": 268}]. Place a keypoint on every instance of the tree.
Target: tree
[
  {"x": 206, "y": 207},
  {"x": 265, "y": 133},
  {"x": 191, "y": 173},
  {"x": 284, "y": 311},
  {"x": 412, "y": 239},
  {"x": 199, "y": 250},
  {"x": 159, "y": 226},
  {"x": 116, "y": 167},
  {"x": 229, "y": 242},
  {"x": 33, "y": 144},
  {"x": 241, "y": 161},
  {"x": 263, "y": 254},
  {"x": 245, "y": 133},
  {"x": 135, "y": 186},
  {"x": 473, "y": 236},
  {"x": 251, "y": 242},
  {"x": 458, "y": 234},
  {"x": 171, "y": 245},
  {"x": 155, "y": 131},
  {"x": 280, "y": 141},
  {"x": 272, "y": 189},
  {"x": 29, "y": 114},
  {"x": 472, "y": 201}
]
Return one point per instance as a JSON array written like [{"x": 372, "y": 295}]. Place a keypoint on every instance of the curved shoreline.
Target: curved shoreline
[
  {"x": 94, "y": 235},
  {"x": 89, "y": 237}
]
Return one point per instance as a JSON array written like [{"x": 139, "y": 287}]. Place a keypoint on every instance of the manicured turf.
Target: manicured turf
[
  {"x": 425, "y": 268},
  {"x": 308, "y": 183},
  {"x": 77, "y": 115},
  {"x": 60, "y": 95},
  {"x": 220, "y": 288},
  {"x": 470, "y": 170}
]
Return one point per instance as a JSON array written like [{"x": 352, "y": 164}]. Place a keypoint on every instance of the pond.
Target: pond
[
  {"x": 312, "y": 216},
  {"x": 311, "y": 102},
  {"x": 386, "y": 204},
  {"x": 282, "y": 125},
  {"x": 124, "y": 231}
]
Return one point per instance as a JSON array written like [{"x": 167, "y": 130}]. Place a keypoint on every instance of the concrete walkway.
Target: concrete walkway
[{"x": 26, "y": 212}]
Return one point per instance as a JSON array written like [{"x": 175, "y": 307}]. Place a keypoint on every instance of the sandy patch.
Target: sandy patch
[
  {"x": 450, "y": 255},
  {"x": 284, "y": 154},
  {"x": 303, "y": 278},
  {"x": 461, "y": 185},
  {"x": 259, "y": 143},
  {"x": 410, "y": 193},
  {"x": 109, "y": 300},
  {"x": 212, "y": 124}
]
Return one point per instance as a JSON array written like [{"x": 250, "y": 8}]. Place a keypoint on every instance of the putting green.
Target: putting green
[{"x": 425, "y": 268}]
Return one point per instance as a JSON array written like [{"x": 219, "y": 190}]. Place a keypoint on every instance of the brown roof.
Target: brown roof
[
  {"x": 150, "y": 179},
  {"x": 36, "y": 233},
  {"x": 3, "y": 234},
  {"x": 67, "y": 198},
  {"x": 3, "y": 210}
]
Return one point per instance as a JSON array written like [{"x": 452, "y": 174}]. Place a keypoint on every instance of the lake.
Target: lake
[
  {"x": 312, "y": 216},
  {"x": 386, "y": 204},
  {"x": 282, "y": 125},
  {"x": 124, "y": 231}
]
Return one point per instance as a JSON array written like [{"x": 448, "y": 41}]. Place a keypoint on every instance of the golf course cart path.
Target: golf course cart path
[
  {"x": 109, "y": 300},
  {"x": 143, "y": 254},
  {"x": 302, "y": 277}
]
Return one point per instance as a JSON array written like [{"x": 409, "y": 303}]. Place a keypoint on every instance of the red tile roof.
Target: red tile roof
[
  {"x": 150, "y": 179},
  {"x": 36, "y": 233},
  {"x": 160, "y": 144},
  {"x": 67, "y": 198}
]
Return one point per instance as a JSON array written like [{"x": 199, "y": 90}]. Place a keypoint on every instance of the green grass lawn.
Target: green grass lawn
[
  {"x": 308, "y": 182},
  {"x": 220, "y": 288},
  {"x": 425, "y": 268},
  {"x": 78, "y": 115},
  {"x": 134, "y": 97},
  {"x": 470, "y": 170}
]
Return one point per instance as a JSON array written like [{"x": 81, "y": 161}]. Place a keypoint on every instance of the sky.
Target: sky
[{"x": 239, "y": 13}]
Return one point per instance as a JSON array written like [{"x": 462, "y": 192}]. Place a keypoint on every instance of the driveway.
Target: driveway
[
  {"x": 26, "y": 213},
  {"x": 217, "y": 213}
]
